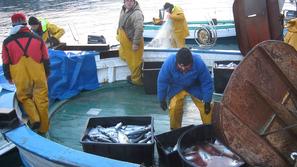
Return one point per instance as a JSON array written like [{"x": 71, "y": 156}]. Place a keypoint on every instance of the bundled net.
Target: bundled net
[{"x": 163, "y": 37}]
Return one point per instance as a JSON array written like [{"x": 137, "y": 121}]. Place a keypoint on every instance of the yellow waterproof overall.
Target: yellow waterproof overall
[
  {"x": 178, "y": 40},
  {"x": 291, "y": 36},
  {"x": 133, "y": 58},
  {"x": 176, "y": 110},
  {"x": 32, "y": 91},
  {"x": 180, "y": 28}
]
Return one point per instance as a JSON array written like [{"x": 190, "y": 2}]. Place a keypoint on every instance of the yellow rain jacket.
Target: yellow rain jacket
[
  {"x": 130, "y": 31},
  {"x": 179, "y": 26},
  {"x": 50, "y": 30},
  {"x": 291, "y": 36}
]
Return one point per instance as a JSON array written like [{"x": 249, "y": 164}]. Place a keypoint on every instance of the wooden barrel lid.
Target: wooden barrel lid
[{"x": 257, "y": 117}]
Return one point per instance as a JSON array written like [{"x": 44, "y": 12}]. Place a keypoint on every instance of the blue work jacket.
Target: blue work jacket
[{"x": 197, "y": 81}]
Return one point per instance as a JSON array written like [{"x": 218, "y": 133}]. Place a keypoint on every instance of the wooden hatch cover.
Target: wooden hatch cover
[
  {"x": 256, "y": 21},
  {"x": 257, "y": 117}
]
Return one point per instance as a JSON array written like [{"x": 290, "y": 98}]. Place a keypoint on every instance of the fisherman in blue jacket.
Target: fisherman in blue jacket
[{"x": 181, "y": 75}]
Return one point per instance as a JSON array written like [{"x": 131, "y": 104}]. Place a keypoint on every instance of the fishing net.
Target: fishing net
[{"x": 163, "y": 37}]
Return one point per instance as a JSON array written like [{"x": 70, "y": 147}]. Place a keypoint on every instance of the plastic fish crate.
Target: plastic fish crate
[
  {"x": 222, "y": 75},
  {"x": 141, "y": 153},
  {"x": 169, "y": 139},
  {"x": 150, "y": 72}
]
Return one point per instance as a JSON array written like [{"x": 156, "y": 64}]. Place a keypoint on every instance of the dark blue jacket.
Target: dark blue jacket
[{"x": 196, "y": 81}]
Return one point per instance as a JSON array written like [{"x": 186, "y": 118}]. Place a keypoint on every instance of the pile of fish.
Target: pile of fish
[
  {"x": 212, "y": 155},
  {"x": 231, "y": 65},
  {"x": 170, "y": 149},
  {"x": 120, "y": 133}
]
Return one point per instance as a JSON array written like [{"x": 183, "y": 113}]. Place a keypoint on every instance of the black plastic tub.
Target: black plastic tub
[
  {"x": 8, "y": 118},
  {"x": 94, "y": 39},
  {"x": 222, "y": 75},
  {"x": 150, "y": 72},
  {"x": 135, "y": 153},
  {"x": 169, "y": 139},
  {"x": 191, "y": 137},
  {"x": 196, "y": 135}
]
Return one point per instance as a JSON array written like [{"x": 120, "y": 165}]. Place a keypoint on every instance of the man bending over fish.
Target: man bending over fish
[{"x": 185, "y": 74}]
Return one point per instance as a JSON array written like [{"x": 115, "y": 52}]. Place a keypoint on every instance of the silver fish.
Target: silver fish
[
  {"x": 145, "y": 140},
  {"x": 118, "y": 126},
  {"x": 122, "y": 138},
  {"x": 139, "y": 131}
]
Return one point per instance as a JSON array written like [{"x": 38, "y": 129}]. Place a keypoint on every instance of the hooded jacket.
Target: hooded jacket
[{"x": 132, "y": 23}]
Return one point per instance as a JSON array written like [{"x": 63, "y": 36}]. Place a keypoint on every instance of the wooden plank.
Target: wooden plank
[
  {"x": 109, "y": 54},
  {"x": 87, "y": 47}
]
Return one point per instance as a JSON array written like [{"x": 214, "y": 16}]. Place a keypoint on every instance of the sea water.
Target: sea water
[{"x": 81, "y": 18}]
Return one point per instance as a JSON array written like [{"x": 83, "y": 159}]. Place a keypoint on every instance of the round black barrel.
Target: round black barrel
[{"x": 191, "y": 137}]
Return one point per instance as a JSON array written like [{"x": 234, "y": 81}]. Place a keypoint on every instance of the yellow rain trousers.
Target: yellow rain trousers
[
  {"x": 178, "y": 40},
  {"x": 176, "y": 110},
  {"x": 32, "y": 91},
  {"x": 133, "y": 58},
  {"x": 291, "y": 36}
]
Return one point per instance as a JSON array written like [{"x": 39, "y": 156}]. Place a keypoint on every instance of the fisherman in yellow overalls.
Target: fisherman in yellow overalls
[
  {"x": 130, "y": 36},
  {"x": 291, "y": 36},
  {"x": 49, "y": 32},
  {"x": 179, "y": 25},
  {"x": 26, "y": 64}
]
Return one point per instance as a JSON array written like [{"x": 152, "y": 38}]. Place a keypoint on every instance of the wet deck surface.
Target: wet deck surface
[{"x": 69, "y": 121}]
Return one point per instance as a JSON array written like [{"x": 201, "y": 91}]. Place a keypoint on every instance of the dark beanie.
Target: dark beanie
[
  {"x": 33, "y": 21},
  {"x": 168, "y": 5},
  {"x": 184, "y": 57}
]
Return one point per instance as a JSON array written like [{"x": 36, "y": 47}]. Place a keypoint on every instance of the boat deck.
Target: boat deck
[{"x": 68, "y": 121}]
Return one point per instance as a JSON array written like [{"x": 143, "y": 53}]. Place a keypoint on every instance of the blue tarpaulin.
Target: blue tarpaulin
[
  {"x": 4, "y": 84},
  {"x": 70, "y": 74}
]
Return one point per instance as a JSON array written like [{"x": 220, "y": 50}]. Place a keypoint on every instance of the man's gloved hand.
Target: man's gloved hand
[
  {"x": 207, "y": 108},
  {"x": 163, "y": 105},
  {"x": 53, "y": 41}
]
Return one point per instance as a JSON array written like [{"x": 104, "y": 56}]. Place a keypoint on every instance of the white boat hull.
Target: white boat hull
[
  {"x": 115, "y": 69},
  {"x": 222, "y": 33},
  {"x": 223, "y": 30}
]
